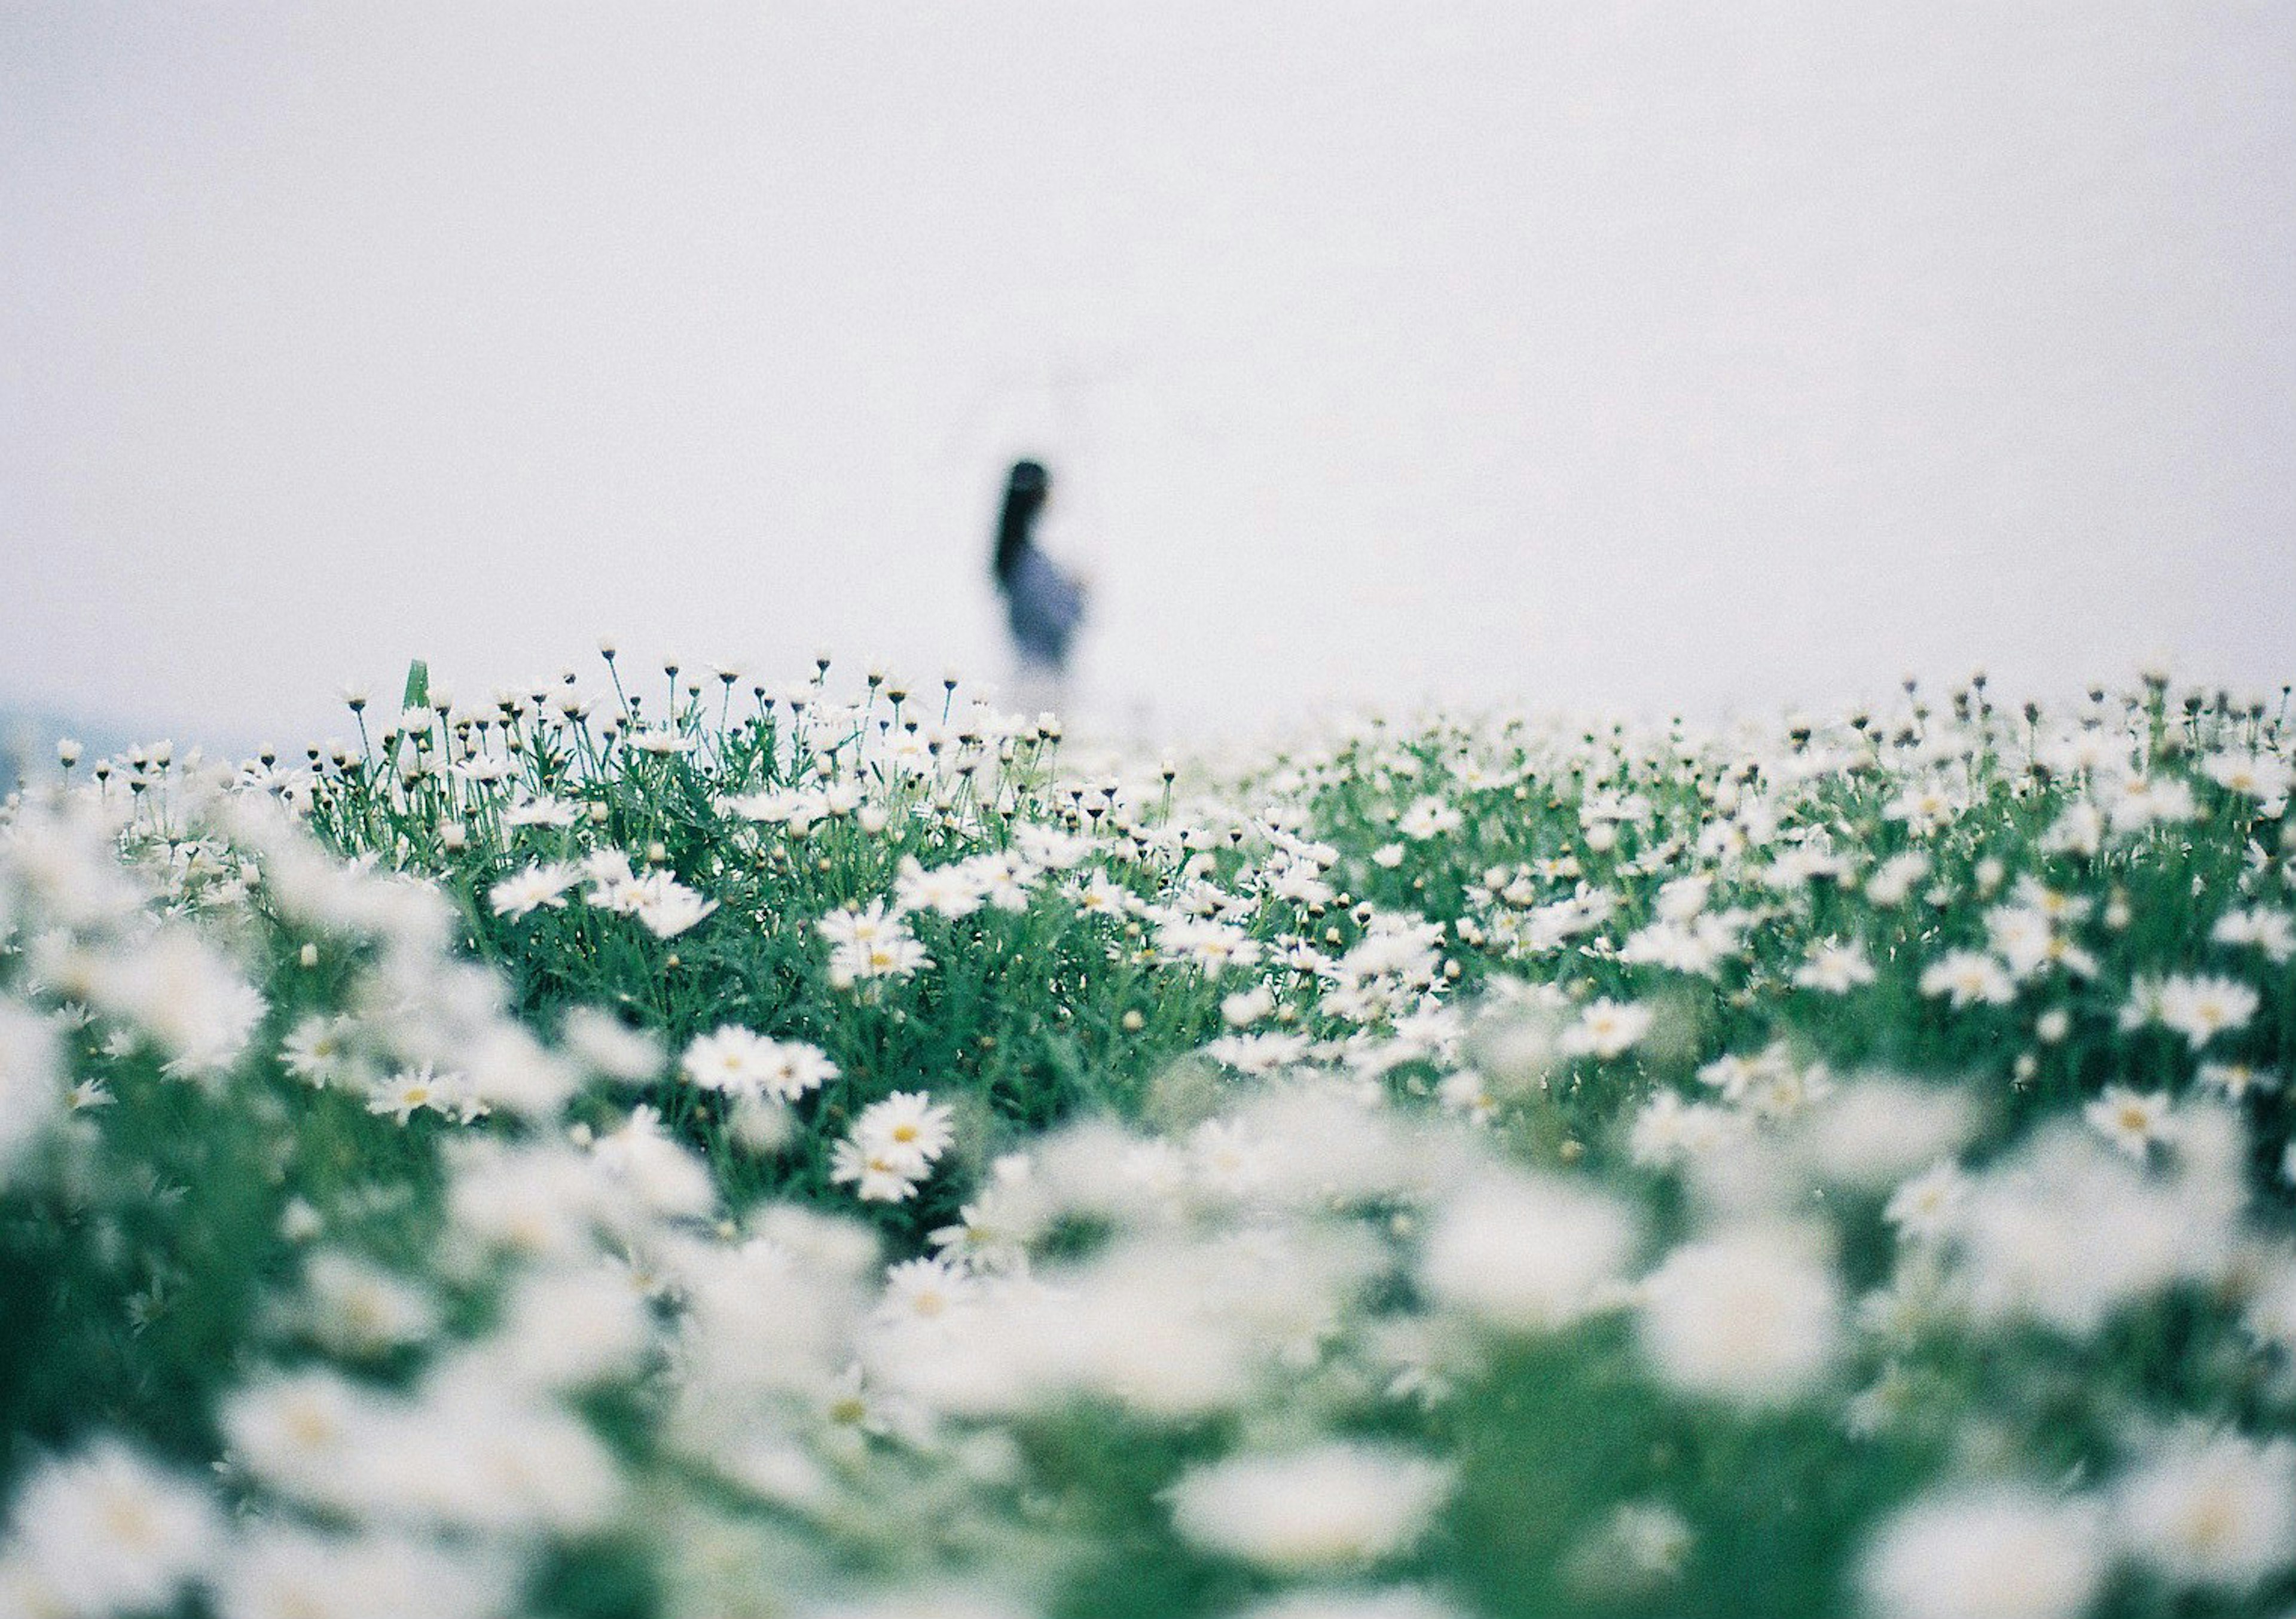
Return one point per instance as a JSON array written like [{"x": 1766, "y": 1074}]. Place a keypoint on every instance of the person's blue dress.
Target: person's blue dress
[{"x": 1043, "y": 606}]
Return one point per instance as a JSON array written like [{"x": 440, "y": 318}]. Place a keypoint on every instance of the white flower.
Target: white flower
[
  {"x": 891, "y": 956},
  {"x": 569, "y": 1329},
  {"x": 875, "y": 1177},
  {"x": 951, "y": 891},
  {"x": 793, "y": 1068},
  {"x": 1637, "y": 1550},
  {"x": 1326, "y": 1506},
  {"x": 1428, "y": 818},
  {"x": 2028, "y": 940},
  {"x": 1835, "y": 969},
  {"x": 1752, "y": 1315},
  {"x": 279, "y": 1571},
  {"x": 1699, "y": 945},
  {"x": 2254, "y": 775},
  {"x": 322, "y": 1051},
  {"x": 1669, "y": 1130},
  {"x": 657, "y": 742},
  {"x": 108, "y": 1531},
  {"x": 860, "y": 925},
  {"x": 1892, "y": 881},
  {"x": 1467, "y": 1091},
  {"x": 2142, "y": 1010},
  {"x": 1607, "y": 1028},
  {"x": 907, "y": 1127},
  {"x": 352, "y": 1307},
  {"x": 2079, "y": 830},
  {"x": 610, "y": 1048},
  {"x": 1781, "y": 1088},
  {"x": 1006, "y": 881},
  {"x": 992, "y": 1231},
  {"x": 2137, "y": 801},
  {"x": 1873, "y": 1129},
  {"x": 524, "y": 891},
  {"x": 1247, "y": 1007},
  {"x": 2269, "y": 931},
  {"x": 556, "y": 812},
  {"x": 32, "y": 1072},
  {"x": 793, "y": 809},
  {"x": 2200, "y": 1009},
  {"x": 1525, "y": 1253},
  {"x": 741, "y": 1062},
  {"x": 870, "y": 944},
  {"x": 667, "y": 906},
  {"x": 2002, "y": 1551},
  {"x": 2270, "y": 1319},
  {"x": 2234, "y": 1080},
  {"x": 1398, "y": 1604},
  {"x": 1229, "y": 1159},
  {"x": 664, "y": 1176},
  {"x": 301, "y": 1435},
  {"x": 183, "y": 995},
  {"x": 723, "y": 1059},
  {"x": 1262, "y": 1053},
  {"x": 1924, "y": 1207},
  {"x": 475, "y": 1452},
  {"x": 1969, "y": 978},
  {"x": 508, "y": 1069},
  {"x": 613, "y": 885},
  {"x": 1048, "y": 846},
  {"x": 2069, "y": 1231},
  {"x": 1682, "y": 898},
  {"x": 2218, "y": 1511},
  {"x": 2132, "y": 1121},
  {"x": 1212, "y": 946},
  {"x": 412, "y": 1091},
  {"x": 924, "y": 1290},
  {"x": 1099, "y": 895},
  {"x": 891, "y": 1147},
  {"x": 1925, "y": 805},
  {"x": 2090, "y": 750}
]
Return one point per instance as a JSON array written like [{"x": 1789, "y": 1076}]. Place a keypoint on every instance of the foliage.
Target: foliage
[{"x": 785, "y": 1154}]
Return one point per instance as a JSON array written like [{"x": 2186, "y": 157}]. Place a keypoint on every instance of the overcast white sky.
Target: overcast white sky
[{"x": 1655, "y": 357}]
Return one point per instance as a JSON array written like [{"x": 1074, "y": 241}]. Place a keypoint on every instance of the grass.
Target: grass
[{"x": 385, "y": 1078}]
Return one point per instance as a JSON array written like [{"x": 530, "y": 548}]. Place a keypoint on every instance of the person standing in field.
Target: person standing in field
[{"x": 1043, "y": 603}]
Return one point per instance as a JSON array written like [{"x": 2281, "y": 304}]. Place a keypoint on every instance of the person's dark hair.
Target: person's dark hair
[{"x": 1025, "y": 487}]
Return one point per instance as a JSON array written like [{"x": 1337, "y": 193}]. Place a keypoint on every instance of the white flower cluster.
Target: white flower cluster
[
  {"x": 892, "y": 1146},
  {"x": 665, "y": 905},
  {"x": 1904, "y": 1091}
]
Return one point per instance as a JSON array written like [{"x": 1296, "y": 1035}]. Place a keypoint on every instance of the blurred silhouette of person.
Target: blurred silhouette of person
[{"x": 1043, "y": 603}]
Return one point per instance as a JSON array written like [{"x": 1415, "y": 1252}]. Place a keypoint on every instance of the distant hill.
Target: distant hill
[
  {"x": 28, "y": 738},
  {"x": 28, "y": 743}
]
